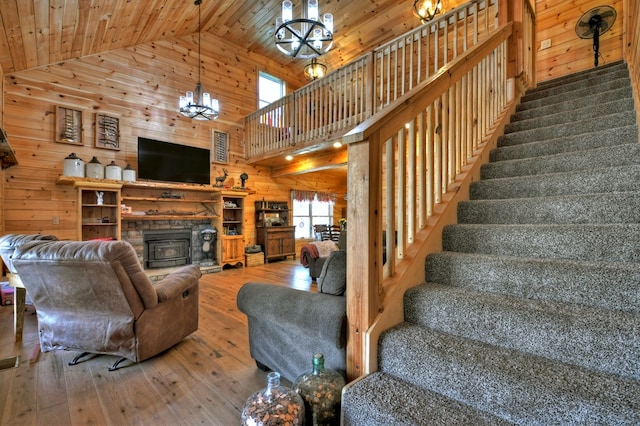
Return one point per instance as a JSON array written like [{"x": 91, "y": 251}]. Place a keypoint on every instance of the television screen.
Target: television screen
[{"x": 165, "y": 161}]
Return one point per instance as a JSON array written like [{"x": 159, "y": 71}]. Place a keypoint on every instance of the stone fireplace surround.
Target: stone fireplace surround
[{"x": 133, "y": 232}]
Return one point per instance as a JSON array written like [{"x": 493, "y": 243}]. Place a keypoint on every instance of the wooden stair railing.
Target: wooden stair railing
[{"x": 410, "y": 164}]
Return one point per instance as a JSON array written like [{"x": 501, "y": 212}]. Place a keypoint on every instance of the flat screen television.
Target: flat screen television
[{"x": 165, "y": 161}]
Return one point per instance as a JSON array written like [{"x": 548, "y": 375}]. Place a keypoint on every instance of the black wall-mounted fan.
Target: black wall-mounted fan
[{"x": 594, "y": 23}]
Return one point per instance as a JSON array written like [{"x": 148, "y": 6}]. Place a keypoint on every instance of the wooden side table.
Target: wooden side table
[{"x": 19, "y": 305}]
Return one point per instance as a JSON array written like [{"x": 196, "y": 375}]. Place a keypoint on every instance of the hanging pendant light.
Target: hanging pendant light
[
  {"x": 314, "y": 70},
  {"x": 198, "y": 104},
  {"x": 306, "y": 37},
  {"x": 426, "y": 10}
]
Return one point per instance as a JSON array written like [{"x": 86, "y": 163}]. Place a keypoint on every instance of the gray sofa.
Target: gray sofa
[
  {"x": 315, "y": 264},
  {"x": 288, "y": 326}
]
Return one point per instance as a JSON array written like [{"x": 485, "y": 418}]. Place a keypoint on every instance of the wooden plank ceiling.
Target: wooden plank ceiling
[{"x": 35, "y": 33}]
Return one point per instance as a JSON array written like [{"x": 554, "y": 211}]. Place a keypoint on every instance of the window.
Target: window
[
  {"x": 270, "y": 89},
  {"x": 307, "y": 214}
]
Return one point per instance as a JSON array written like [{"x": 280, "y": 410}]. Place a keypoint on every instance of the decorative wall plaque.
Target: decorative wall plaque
[
  {"x": 107, "y": 131},
  {"x": 68, "y": 125}
]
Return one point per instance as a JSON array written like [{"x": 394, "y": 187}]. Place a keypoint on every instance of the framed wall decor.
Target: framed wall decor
[
  {"x": 220, "y": 147},
  {"x": 68, "y": 125},
  {"x": 107, "y": 131}
]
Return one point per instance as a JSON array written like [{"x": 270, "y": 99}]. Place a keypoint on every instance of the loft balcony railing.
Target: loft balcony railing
[{"x": 328, "y": 108}]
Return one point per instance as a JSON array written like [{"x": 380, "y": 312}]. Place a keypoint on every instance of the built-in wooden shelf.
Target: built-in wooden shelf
[
  {"x": 133, "y": 217},
  {"x": 168, "y": 200}
]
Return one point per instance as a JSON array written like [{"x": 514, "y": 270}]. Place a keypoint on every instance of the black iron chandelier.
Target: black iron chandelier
[
  {"x": 306, "y": 37},
  {"x": 198, "y": 104},
  {"x": 426, "y": 10}
]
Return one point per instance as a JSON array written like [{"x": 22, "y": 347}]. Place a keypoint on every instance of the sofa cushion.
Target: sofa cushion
[{"x": 333, "y": 278}]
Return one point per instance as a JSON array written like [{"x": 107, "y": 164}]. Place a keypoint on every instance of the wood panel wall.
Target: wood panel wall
[
  {"x": 556, "y": 20},
  {"x": 632, "y": 46},
  {"x": 141, "y": 85}
]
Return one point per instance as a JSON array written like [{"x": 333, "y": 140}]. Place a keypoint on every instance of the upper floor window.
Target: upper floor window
[{"x": 270, "y": 89}]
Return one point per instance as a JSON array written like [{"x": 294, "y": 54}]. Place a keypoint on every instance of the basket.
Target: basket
[{"x": 254, "y": 259}]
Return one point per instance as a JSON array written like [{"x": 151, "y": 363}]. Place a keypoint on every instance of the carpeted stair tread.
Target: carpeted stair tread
[
  {"x": 620, "y": 119},
  {"x": 518, "y": 387},
  {"x": 571, "y": 104},
  {"x": 610, "y": 207},
  {"x": 598, "y": 139},
  {"x": 555, "y": 97},
  {"x": 531, "y": 313},
  {"x": 591, "y": 242},
  {"x": 580, "y": 112},
  {"x": 593, "y": 82},
  {"x": 610, "y": 156},
  {"x": 580, "y": 75},
  {"x": 382, "y": 399},
  {"x": 604, "y": 285},
  {"x": 561, "y": 331},
  {"x": 615, "y": 179}
]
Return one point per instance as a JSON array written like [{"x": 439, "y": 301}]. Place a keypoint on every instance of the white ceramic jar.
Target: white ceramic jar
[
  {"x": 73, "y": 166},
  {"x": 128, "y": 174},
  {"x": 113, "y": 171},
  {"x": 94, "y": 169}
]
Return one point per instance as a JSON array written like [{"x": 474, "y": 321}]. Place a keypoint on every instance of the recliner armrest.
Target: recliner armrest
[
  {"x": 177, "y": 282},
  {"x": 317, "y": 315}
]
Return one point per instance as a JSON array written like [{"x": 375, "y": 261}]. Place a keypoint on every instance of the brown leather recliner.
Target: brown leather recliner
[
  {"x": 9, "y": 243},
  {"x": 94, "y": 297}
]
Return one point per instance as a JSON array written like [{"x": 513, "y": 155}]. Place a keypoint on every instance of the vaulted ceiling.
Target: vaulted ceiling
[{"x": 35, "y": 33}]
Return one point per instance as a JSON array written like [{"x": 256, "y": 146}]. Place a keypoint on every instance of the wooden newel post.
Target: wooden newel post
[{"x": 363, "y": 248}]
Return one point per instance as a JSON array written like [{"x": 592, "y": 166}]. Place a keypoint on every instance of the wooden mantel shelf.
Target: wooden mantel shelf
[
  {"x": 89, "y": 182},
  {"x": 84, "y": 181}
]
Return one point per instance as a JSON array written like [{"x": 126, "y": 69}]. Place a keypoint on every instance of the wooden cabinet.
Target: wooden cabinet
[
  {"x": 232, "y": 228},
  {"x": 273, "y": 232},
  {"x": 277, "y": 241},
  {"x": 232, "y": 250},
  {"x": 98, "y": 211}
]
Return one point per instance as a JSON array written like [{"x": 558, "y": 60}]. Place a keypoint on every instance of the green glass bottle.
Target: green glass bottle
[{"x": 321, "y": 390}]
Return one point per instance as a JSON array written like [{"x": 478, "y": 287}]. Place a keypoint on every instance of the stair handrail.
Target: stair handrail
[{"x": 325, "y": 109}]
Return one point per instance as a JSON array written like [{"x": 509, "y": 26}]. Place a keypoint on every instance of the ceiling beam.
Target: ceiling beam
[{"x": 313, "y": 163}]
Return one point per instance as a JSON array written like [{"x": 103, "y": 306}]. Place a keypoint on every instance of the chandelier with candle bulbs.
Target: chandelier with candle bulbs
[
  {"x": 198, "y": 104},
  {"x": 426, "y": 10},
  {"x": 305, "y": 37}
]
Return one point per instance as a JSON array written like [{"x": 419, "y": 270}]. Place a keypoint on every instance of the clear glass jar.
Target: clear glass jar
[
  {"x": 273, "y": 405},
  {"x": 321, "y": 390}
]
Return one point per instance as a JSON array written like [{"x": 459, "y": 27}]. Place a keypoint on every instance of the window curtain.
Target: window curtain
[{"x": 325, "y": 197}]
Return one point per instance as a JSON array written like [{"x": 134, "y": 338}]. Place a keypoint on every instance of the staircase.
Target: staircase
[{"x": 531, "y": 314}]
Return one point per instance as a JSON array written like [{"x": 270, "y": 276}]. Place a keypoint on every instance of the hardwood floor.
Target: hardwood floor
[{"x": 205, "y": 379}]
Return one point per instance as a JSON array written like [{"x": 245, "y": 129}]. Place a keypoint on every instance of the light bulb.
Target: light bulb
[
  {"x": 312, "y": 10},
  {"x": 328, "y": 22},
  {"x": 287, "y": 11}
]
